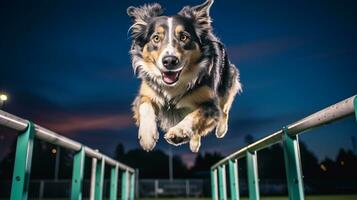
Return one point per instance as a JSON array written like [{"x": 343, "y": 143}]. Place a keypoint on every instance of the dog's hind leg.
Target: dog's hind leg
[
  {"x": 195, "y": 143},
  {"x": 225, "y": 104}
]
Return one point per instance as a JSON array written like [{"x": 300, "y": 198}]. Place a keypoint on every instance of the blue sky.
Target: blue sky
[{"x": 65, "y": 65}]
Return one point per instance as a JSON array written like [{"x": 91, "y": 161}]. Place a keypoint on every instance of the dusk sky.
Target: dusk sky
[{"x": 65, "y": 65}]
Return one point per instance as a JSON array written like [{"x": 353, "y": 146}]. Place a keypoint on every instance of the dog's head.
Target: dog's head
[{"x": 168, "y": 49}]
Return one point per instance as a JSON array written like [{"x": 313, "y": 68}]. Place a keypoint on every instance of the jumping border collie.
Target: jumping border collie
[{"x": 187, "y": 82}]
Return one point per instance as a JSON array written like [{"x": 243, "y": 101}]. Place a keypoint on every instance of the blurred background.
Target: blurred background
[{"x": 65, "y": 65}]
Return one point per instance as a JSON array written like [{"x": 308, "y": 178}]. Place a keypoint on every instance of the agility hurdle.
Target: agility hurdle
[
  {"x": 27, "y": 131},
  {"x": 288, "y": 136}
]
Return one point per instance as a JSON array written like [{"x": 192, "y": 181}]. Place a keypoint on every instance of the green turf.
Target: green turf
[{"x": 317, "y": 197}]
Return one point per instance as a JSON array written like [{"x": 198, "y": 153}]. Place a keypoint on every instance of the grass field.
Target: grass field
[
  {"x": 317, "y": 197},
  {"x": 322, "y": 197}
]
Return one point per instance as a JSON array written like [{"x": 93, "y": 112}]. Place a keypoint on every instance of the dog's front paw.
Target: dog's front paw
[
  {"x": 179, "y": 134},
  {"x": 148, "y": 136}
]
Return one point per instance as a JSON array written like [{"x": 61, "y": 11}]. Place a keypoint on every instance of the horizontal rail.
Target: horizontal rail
[
  {"x": 19, "y": 124},
  {"x": 332, "y": 113}
]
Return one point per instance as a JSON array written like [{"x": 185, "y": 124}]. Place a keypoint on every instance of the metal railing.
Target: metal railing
[
  {"x": 27, "y": 131},
  {"x": 288, "y": 135}
]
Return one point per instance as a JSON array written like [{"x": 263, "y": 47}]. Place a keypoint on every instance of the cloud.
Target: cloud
[
  {"x": 75, "y": 123},
  {"x": 263, "y": 48}
]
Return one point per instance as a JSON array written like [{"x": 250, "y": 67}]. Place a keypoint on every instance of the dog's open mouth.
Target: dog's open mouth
[{"x": 170, "y": 77}]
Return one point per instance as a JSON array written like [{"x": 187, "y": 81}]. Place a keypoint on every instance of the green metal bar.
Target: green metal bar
[
  {"x": 124, "y": 185},
  {"x": 233, "y": 179},
  {"x": 77, "y": 175},
  {"x": 113, "y": 183},
  {"x": 222, "y": 182},
  {"x": 214, "y": 188},
  {"x": 137, "y": 183},
  {"x": 22, "y": 167},
  {"x": 99, "y": 177},
  {"x": 252, "y": 169},
  {"x": 355, "y": 106},
  {"x": 293, "y": 166},
  {"x": 132, "y": 187}
]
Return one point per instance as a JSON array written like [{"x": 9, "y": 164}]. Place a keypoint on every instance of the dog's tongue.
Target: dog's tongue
[{"x": 170, "y": 77}]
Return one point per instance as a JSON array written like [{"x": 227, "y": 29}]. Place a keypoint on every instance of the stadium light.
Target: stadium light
[{"x": 3, "y": 98}]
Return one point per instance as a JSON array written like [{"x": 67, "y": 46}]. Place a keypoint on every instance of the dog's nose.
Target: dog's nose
[{"x": 170, "y": 62}]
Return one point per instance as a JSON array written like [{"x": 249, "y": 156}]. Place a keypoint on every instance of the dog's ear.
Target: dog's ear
[
  {"x": 141, "y": 17},
  {"x": 200, "y": 14}
]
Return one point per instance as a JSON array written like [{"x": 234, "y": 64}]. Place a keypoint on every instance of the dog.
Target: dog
[{"x": 188, "y": 83}]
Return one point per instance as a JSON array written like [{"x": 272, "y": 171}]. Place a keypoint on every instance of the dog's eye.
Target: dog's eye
[
  {"x": 156, "y": 38},
  {"x": 183, "y": 38}
]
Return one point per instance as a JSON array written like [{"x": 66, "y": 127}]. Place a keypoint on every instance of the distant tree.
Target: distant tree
[
  {"x": 43, "y": 162},
  {"x": 154, "y": 164},
  {"x": 343, "y": 168},
  {"x": 328, "y": 169},
  {"x": 180, "y": 169},
  {"x": 204, "y": 162},
  {"x": 309, "y": 162},
  {"x": 200, "y": 163},
  {"x": 119, "y": 152},
  {"x": 7, "y": 164},
  {"x": 271, "y": 163},
  {"x": 346, "y": 164}
]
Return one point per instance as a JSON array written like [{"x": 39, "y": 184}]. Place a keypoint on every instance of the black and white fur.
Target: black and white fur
[{"x": 207, "y": 82}]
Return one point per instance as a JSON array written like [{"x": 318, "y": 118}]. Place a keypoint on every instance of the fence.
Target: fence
[
  {"x": 146, "y": 188},
  {"x": 288, "y": 135},
  {"x": 23, "y": 157},
  {"x": 171, "y": 188}
]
